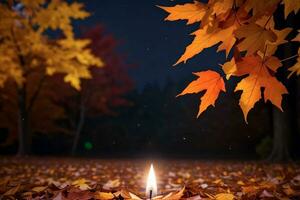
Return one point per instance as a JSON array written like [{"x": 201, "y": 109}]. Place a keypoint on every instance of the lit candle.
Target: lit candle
[{"x": 151, "y": 188}]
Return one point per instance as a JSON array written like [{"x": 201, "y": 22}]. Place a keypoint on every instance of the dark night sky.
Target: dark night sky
[{"x": 149, "y": 42}]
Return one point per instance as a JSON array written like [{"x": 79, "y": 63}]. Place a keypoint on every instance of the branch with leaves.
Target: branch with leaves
[{"x": 245, "y": 30}]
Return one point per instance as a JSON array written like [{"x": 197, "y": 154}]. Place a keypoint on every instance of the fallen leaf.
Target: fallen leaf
[
  {"x": 288, "y": 190},
  {"x": 12, "y": 191},
  {"x": 104, "y": 195},
  {"x": 134, "y": 197},
  {"x": 240, "y": 183},
  {"x": 224, "y": 196},
  {"x": 111, "y": 184},
  {"x": 39, "y": 188},
  {"x": 174, "y": 195},
  {"x": 265, "y": 193},
  {"x": 81, "y": 184}
]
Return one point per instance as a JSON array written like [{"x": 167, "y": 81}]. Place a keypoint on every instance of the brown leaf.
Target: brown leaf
[
  {"x": 12, "y": 191},
  {"x": 39, "y": 189},
  {"x": 174, "y": 195}
]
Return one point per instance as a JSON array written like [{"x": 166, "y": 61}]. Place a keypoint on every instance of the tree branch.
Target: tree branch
[{"x": 36, "y": 93}]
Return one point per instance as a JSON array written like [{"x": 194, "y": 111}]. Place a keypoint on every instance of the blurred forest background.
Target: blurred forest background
[
  {"x": 130, "y": 108},
  {"x": 154, "y": 122}
]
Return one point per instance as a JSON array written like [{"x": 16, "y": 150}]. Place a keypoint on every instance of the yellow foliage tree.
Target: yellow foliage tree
[{"x": 26, "y": 46}]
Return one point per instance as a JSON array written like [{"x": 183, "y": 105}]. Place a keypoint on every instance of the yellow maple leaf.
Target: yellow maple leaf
[
  {"x": 73, "y": 59},
  {"x": 81, "y": 184},
  {"x": 32, "y": 3},
  {"x": 210, "y": 81},
  {"x": 58, "y": 15}
]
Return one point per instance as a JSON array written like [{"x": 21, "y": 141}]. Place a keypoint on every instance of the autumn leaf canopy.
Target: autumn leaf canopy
[{"x": 245, "y": 30}]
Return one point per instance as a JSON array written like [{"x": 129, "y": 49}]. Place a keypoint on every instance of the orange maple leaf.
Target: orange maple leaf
[
  {"x": 192, "y": 12},
  {"x": 259, "y": 76},
  {"x": 281, "y": 35},
  {"x": 210, "y": 81},
  {"x": 229, "y": 68},
  {"x": 254, "y": 38},
  {"x": 290, "y": 6},
  {"x": 205, "y": 39},
  {"x": 220, "y": 7},
  {"x": 228, "y": 39},
  {"x": 261, "y": 7}
]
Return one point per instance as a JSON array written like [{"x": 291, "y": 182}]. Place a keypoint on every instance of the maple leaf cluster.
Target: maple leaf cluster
[
  {"x": 245, "y": 29},
  {"x": 26, "y": 45}
]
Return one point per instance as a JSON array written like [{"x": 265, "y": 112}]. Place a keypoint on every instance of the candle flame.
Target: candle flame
[{"x": 151, "y": 183}]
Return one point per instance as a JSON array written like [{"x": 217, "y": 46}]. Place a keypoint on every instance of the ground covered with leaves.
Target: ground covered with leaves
[{"x": 62, "y": 179}]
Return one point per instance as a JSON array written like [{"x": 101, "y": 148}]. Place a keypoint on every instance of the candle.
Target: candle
[{"x": 151, "y": 188}]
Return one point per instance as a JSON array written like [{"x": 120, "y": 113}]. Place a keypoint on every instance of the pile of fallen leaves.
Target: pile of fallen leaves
[{"x": 62, "y": 179}]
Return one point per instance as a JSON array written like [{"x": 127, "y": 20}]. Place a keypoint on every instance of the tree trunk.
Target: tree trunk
[
  {"x": 281, "y": 136},
  {"x": 284, "y": 123},
  {"x": 24, "y": 137},
  {"x": 78, "y": 129}
]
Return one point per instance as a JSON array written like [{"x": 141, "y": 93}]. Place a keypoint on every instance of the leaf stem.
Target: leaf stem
[
  {"x": 263, "y": 59},
  {"x": 235, "y": 13},
  {"x": 288, "y": 58},
  {"x": 268, "y": 21}
]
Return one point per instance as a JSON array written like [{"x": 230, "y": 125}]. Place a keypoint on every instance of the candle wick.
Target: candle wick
[{"x": 150, "y": 194}]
